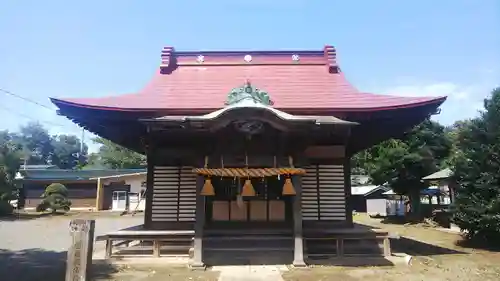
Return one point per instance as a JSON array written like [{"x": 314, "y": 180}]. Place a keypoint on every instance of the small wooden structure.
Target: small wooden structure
[
  {"x": 445, "y": 181},
  {"x": 250, "y": 150},
  {"x": 368, "y": 199}
]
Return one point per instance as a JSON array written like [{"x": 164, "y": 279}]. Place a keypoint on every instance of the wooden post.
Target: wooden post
[
  {"x": 298, "y": 250},
  {"x": 99, "y": 195},
  {"x": 387, "y": 247},
  {"x": 109, "y": 248},
  {"x": 197, "y": 262},
  {"x": 79, "y": 259},
  {"x": 340, "y": 247},
  {"x": 156, "y": 248}
]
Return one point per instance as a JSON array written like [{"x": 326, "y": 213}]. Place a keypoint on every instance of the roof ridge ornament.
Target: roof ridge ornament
[
  {"x": 248, "y": 93},
  {"x": 167, "y": 57},
  {"x": 331, "y": 59}
]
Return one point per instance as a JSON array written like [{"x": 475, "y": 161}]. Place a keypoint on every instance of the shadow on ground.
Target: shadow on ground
[
  {"x": 37, "y": 264},
  {"x": 349, "y": 261},
  {"x": 418, "y": 248},
  {"x": 478, "y": 244},
  {"x": 23, "y": 216}
]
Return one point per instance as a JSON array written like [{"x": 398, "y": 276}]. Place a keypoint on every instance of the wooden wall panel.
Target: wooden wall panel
[
  {"x": 174, "y": 194},
  {"x": 323, "y": 193},
  {"x": 331, "y": 192},
  {"x": 276, "y": 210},
  {"x": 239, "y": 211},
  {"x": 187, "y": 194},
  {"x": 220, "y": 211},
  {"x": 258, "y": 210},
  {"x": 310, "y": 193}
]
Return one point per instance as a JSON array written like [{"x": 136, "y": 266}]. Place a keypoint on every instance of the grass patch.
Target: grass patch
[{"x": 437, "y": 256}]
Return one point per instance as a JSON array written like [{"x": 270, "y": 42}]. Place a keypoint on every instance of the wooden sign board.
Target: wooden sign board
[{"x": 79, "y": 258}]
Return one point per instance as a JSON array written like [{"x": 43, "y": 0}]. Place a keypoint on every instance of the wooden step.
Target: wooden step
[
  {"x": 247, "y": 237},
  {"x": 249, "y": 249}
]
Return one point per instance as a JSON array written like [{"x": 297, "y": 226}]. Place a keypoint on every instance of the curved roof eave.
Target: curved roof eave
[{"x": 436, "y": 100}]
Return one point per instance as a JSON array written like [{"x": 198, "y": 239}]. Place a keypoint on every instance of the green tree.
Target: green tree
[
  {"x": 359, "y": 163},
  {"x": 403, "y": 163},
  {"x": 454, "y": 132},
  {"x": 9, "y": 164},
  {"x": 67, "y": 152},
  {"x": 477, "y": 171},
  {"x": 114, "y": 156},
  {"x": 55, "y": 198},
  {"x": 41, "y": 148},
  {"x": 36, "y": 142}
]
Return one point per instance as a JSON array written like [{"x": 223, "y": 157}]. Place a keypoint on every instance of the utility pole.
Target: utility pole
[{"x": 81, "y": 141}]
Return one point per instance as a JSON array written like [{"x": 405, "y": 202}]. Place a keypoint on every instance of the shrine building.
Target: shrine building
[{"x": 248, "y": 151}]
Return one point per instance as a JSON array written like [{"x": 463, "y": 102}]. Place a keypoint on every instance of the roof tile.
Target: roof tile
[{"x": 313, "y": 82}]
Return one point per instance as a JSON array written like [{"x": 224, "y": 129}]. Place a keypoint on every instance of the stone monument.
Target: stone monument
[{"x": 79, "y": 258}]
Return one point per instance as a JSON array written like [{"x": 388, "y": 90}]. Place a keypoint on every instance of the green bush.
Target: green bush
[
  {"x": 5, "y": 208},
  {"x": 55, "y": 198}
]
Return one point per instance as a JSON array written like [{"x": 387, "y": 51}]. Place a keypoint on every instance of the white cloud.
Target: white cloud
[
  {"x": 464, "y": 101},
  {"x": 452, "y": 90}
]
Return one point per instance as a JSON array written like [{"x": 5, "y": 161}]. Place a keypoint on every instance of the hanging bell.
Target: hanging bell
[
  {"x": 288, "y": 188},
  {"x": 208, "y": 188},
  {"x": 248, "y": 189}
]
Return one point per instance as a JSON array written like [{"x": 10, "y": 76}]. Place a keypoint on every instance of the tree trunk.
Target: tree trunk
[{"x": 415, "y": 202}]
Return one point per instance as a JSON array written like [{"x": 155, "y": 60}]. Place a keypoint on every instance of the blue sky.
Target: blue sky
[{"x": 96, "y": 48}]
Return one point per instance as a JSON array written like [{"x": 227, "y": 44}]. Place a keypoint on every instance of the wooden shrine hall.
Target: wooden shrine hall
[{"x": 248, "y": 153}]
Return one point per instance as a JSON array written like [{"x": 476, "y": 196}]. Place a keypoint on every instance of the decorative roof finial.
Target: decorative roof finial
[
  {"x": 167, "y": 59},
  {"x": 248, "y": 92}
]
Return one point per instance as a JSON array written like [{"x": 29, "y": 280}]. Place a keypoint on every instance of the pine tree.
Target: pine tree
[
  {"x": 55, "y": 198},
  {"x": 477, "y": 171}
]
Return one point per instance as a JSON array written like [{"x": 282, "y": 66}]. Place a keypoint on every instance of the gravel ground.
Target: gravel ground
[
  {"x": 52, "y": 233},
  {"x": 34, "y": 248}
]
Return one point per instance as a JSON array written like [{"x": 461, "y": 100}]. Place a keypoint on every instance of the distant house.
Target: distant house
[
  {"x": 38, "y": 167},
  {"x": 445, "y": 181},
  {"x": 367, "y": 198},
  {"x": 117, "y": 187}
]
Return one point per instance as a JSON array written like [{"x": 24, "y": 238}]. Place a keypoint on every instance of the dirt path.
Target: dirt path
[{"x": 249, "y": 273}]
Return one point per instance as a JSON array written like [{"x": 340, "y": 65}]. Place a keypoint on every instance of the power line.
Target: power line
[
  {"x": 25, "y": 99},
  {"x": 29, "y": 117}
]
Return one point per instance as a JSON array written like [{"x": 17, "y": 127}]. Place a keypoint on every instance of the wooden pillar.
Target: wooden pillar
[
  {"x": 99, "y": 195},
  {"x": 298, "y": 251},
  {"x": 149, "y": 186},
  {"x": 197, "y": 262},
  {"x": 347, "y": 190}
]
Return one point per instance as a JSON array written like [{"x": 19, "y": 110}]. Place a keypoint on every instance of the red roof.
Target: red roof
[{"x": 294, "y": 80}]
